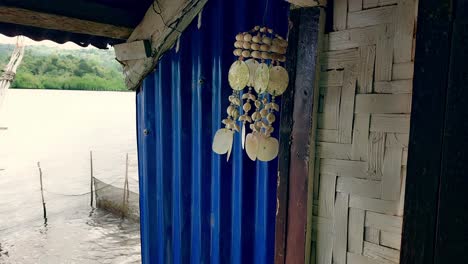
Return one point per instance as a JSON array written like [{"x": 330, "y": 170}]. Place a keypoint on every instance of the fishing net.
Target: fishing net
[{"x": 117, "y": 200}]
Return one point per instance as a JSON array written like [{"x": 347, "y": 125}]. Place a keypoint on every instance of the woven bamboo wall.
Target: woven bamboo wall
[{"x": 362, "y": 136}]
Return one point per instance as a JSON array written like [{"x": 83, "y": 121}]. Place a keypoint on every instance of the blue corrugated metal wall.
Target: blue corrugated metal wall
[{"x": 195, "y": 206}]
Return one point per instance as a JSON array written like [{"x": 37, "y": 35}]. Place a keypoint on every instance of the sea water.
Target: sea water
[{"x": 58, "y": 129}]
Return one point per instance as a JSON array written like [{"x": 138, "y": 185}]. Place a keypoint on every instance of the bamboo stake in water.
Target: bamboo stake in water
[
  {"x": 42, "y": 193},
  {"x": 92, "y": 177},
  {"x": 126, "y": 190},
  {"x": 126, "y": 178}
]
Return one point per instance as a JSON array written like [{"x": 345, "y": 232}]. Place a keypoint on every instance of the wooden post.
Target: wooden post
[
  {"x": 42, "y": 192},
  {"x": 92, "y": 177},
  {"x": 297, "y": 138},
  {"x": 435, "y": 215}
]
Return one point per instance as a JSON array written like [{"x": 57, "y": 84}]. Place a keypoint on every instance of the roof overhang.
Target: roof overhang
[
  {"x": 96, "y": 22},
  {"x": 162, "y": 25},
  {"x": 147, "y": 29}
]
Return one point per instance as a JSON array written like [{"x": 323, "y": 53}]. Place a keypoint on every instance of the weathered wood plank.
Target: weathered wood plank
[
  {"x": 376, "y": 155},
  {"x": 309, "y": 25},
  {"x": 391, "y": 179},
  {"x": 360, "y": 137},
  {"x": 327, "y": 150},
  {"x": 403, "y": 71},
  {"x": 327, "y": 135},
  {"x": 397, "y": 140},
  {"x": 433, "y": 49},
  {"x": 327, "y": 195},
  {"x": 360, "y": 187},
  {"x": 372, "y": 235},
  {"x": 133, "y": 50},
  {"x": 401, "y": 204},
  {"x": 404, "y": 29},
  {"x": 348, "y": 92},
  {"x": 366, "y": 70},
  {"x": 339, "y": 59},
  {"x": 375, "y": 3},
  {"x": 393, "y": 123},
  {"x": 356, "y": 231},
  {"x": 359, "y": 259},
  {"x": 451, "y": 242},
  {"x": 390, "y": 240},
  {"x": 284, "y": 156},
  {"x": 370, "y": 17},
  {"x": 384, "y": 59},
  {"x": 355, "y": 37},
  {"x": 324, "y": 227},
  {"x": 394, "y": 87},
  {"x": 344, "y": 168},
  {"x": 341, "y": 228},
  {"x": 374, "y": 205},
  {"x": 331, "y": 78},
  {"x": 381, "y": 254},
  {"x": 178, "y": 14},
  {"x": 51, "y": 21},
  {"x": 340, "y": 13},
  {"x": 354, "y": 5},
  {"x": 383, "y": 103},
  {"x": 389, "y": 223},
  {"x": 331, "y": 108}
]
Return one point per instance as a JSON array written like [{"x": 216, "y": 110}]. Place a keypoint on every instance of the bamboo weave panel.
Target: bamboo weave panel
[{"x": 362, "y": 132}]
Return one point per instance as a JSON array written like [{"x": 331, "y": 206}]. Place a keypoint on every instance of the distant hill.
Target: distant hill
[{"x": 50, "y": 68}]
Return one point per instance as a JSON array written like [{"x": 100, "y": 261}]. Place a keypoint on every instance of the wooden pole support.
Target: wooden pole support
[
  {"x": 42, "y": 193},
  {"x": 126, "y": 191},
  {"x": 297, "y": 138},
  {"x": 92, "y": 177}
]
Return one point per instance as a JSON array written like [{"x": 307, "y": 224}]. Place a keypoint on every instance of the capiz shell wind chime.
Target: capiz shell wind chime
[{"x": 260, "y": 54}]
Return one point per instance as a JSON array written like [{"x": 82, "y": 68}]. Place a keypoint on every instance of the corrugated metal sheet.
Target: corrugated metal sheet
[{"x": 195, "y": 206}]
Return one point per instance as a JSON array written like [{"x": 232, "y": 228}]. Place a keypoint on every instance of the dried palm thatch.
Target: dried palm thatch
[{"x": 8, "y": 74}]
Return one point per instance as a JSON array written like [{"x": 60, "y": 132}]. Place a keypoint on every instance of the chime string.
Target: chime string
[{"x": 265, "y": 12}]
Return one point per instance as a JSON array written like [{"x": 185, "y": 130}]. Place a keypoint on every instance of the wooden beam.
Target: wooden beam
[
  {"x": 133, "y": 50},
  {"x": 431, "y": 69},
  {"x": 451, "y": 244},
  {"x": 284, "y": 157},
  {"x": 163, "y": 24},
  {"x": 124, "y": 15},
  {"x": 56, "y": 22},
  {"x": 297, "y": 138}
]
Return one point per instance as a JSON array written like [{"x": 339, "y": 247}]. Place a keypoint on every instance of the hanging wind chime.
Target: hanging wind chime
[{"x": 260, "y": 54}]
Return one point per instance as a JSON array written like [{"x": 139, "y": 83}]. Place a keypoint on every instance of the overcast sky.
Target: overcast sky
[{"x": 68, "y": 45}]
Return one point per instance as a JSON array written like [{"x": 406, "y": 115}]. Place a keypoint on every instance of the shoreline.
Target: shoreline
[{"x": 48, "y": 89}]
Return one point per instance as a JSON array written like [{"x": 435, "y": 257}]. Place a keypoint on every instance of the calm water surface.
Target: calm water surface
[{"x": 58, "y": 129}]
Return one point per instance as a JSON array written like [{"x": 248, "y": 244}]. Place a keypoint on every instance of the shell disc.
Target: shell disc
[
  {"x": 252, "y": 65},
  {"x": 238, "y": 75},
  {"x": 262, "y": 76},
  {"x": 222, "y": 141},
  {"x": 268, "y": 148},
  {"x": 279, "y": 80},
  {"x": 251, "y": 146}
]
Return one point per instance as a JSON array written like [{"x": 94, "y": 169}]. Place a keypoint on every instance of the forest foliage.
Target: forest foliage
[{"x": 73, "y": 69}]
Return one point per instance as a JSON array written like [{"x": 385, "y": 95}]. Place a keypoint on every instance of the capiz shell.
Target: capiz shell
[
  {"x": 279, "y": 80},
  {"x": 262, "y": 76},
  {"x": 222, "y": 141},
  {"x": 238, "y": 75},
  {"x": 252, "y": 65},
  {"x": 268, "y": 148},
  {"x": 251, "y": 146}
]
